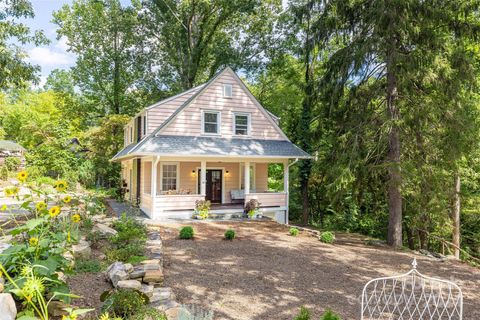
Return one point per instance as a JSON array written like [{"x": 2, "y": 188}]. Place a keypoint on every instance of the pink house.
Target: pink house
[{"x": 212, "y": 142}]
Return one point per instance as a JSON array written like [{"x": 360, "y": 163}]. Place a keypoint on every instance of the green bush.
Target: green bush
[
  {"x": 148, "y": 313},
  {"x": 12, "y": 163},
  {"x": 88, "y": 266},
  {"x": 3, "y": 173},
  {"x": 329, "y": 315},
  {"x": 123, "y": 302},
  {"x": 327, "y": 237},
  {"x": 293, "y": 231},
  {"x": 304, "y": 314},
  {"x": 130, "y": 240},
  {"x": 230, "y": 234},
  {"x": 186, "y": 233}
]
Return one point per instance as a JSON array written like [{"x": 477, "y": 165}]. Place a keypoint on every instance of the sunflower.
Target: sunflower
[
  {"x": 12, "y": 191},
  {"x": 33, "y": 242},
  {"x": 3, "y": 208},
  {"x": 41, "y": 206},
  {"x": 61, "y": 185},
  {"x": 67, "y": 199},
  {"x": 22, "y": 176},
  {"x": 76, "y": 218},
  {"x": 54, "y": 211}
]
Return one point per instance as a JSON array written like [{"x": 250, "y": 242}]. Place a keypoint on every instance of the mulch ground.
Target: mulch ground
[{"x": 267, "y": 274}]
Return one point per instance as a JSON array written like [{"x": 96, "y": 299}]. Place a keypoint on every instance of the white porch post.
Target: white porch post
[
  {"x": 155, "y": 162},
  {"x": 246, "y": 177},
  {"x": 203, "y": 178},
  {"x": 286, "y": 170}
]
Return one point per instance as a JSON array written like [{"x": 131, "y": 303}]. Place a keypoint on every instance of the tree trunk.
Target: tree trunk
[
  {"x": 394, "y": 177},
  {"x": 456, "y": 216},
  {"x": 410, "y": 237}
]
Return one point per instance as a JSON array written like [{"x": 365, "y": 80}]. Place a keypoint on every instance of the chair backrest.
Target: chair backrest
[{"x": 411, "y": 296}]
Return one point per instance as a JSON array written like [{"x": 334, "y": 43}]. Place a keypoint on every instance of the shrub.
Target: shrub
[
  {"x": 12, "y": 163},
  {"x": 186, "y": 232},
  {"x": 88, "y": 266},
  {"x": 3, "y": 173},
  {"x": 329, "y": 315},
  {"x": 327, "y": 237},
  {"x": 148, "y": 313},
  {"x": 123, "y": 302},
  {"x": 293, "y": 231},
  {"x": 304, "y": 314},
  {"x": 129, "y": 241},
  {"x": 230, "y": 234}
]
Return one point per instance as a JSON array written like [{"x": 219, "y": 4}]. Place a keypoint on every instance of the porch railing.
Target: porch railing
[
  {"x": 268, "y": 199},
  {"x": 177, "y": 201}
]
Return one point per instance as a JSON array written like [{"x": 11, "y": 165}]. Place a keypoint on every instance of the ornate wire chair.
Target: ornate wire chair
[{"x": 411, "y": 296}]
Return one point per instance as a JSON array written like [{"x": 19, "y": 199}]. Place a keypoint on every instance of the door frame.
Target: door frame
[{"x": 223, "y": 180}]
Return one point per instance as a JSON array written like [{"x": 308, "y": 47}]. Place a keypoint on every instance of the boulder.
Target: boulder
[
  {"x": 177, "y": 313},
  {"x": 153, "y": 276},
  {"x": 137, "y": 273},
  {"x": 104, "y": 230},
  {"x": 82, "y": 250},
  {"x": 116, "y": 272},
  {"x": 8, "y": 310},
  {"x": 151, "y": 266},
  {"x": 128, "y": 267},
  {"x": 147, "y": 290},
  {"x": 129, "y": 284}
]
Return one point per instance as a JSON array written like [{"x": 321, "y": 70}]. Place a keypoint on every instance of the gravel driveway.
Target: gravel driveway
[{"x": 267, "y": 274}]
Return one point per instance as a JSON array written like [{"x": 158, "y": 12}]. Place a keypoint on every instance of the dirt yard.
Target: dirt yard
[{"x": 267, "y": 274}]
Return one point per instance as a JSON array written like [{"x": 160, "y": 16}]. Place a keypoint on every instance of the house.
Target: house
[
  {"x": 11, "y": 149},
  {"x": 213, "y": 142}
]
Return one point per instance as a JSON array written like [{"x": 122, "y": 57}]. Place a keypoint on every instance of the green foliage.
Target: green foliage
[
  {"x": 202, "y": 208},
  {"x": 293, "y": 231},
  {"x": 148, "y": 313},
  {"x": 12, "y": 163},
  {"x": 123, "y": 302},
  {"x": 129, "y": 243},
  {"x": 304, "y": 314},
  {"x": 330, "y": 315},
  {"x": 186, "y": 232},
  {"x": 3, "y": 173},
  {"x": 230, "y": 234},
  {"x": 87, "y": 266},
  {"x": 327, "y": 237}
]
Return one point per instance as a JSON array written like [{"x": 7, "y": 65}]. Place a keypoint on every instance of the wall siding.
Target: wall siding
[
  {"x": 261, "y": 177},
  {"x": 188, "y": 122}
]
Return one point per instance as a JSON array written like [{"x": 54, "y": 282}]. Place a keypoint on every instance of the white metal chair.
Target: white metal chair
[{"x": 411, "y": 296}]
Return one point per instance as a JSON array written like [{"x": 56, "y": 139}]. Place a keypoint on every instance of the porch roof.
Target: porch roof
[{"x": 211, "y": 146}]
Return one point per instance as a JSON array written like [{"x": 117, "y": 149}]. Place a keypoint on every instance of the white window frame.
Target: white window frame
[
  {"x": 234, "y": 125},
  {"x": 219, "y": 121},
  {"x": 224, "y": 89},
  {"x": 177, "y": 184}
]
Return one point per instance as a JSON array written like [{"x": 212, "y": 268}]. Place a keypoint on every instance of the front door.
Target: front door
[{"x": 213, "y": 186}]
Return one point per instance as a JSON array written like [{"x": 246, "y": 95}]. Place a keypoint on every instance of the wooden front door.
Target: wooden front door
[{"x": 213, "y": 188}]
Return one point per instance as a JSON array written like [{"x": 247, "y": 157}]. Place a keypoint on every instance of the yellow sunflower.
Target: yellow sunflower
[
  {"x": 3, "y": 208},
  {"x": 61, "y": 185},
  {"x": 41, "y": 206},
  {"x": 54, "y": 211},
  {"x": 67, "y": 199},
  {"x": 33, "y": 241},
  {"x": 76, "y": 218},
  {"x": 22, "y": 176}
]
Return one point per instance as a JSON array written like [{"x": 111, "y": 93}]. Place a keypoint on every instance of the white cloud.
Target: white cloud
[
  {"x": 62, "y": 44},
  {"x": 46, "y": 57}
]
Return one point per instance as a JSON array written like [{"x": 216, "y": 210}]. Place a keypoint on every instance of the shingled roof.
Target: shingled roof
[{"x": 8, "y": 145}]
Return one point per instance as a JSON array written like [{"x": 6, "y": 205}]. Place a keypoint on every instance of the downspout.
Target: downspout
[{"x": 288, "y": 191}]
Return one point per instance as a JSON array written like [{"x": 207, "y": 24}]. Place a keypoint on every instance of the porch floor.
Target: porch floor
[{"x": 226, "y": 206}]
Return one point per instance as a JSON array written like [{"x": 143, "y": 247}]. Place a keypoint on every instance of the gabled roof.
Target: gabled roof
[{"x": 8, "y": 145}]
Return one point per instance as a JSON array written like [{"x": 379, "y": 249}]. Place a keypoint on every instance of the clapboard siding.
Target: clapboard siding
[
  {"x": 146, "y": 204},
  {"x": 188, "y": 122},
  {"x": 261, "y": 177},
  {"x": 270, "y": 199}
]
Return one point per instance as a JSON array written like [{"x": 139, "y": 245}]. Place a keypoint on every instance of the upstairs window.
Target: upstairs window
[
  {"x": 241, "y": 124},
  {"x": 227, "y": 90},
  {"x": 211, "y": 122},
  {"x": 144, "y": 125}
]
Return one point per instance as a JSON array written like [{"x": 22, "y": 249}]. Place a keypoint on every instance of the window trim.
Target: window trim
[
  {"x": 169, "y": 163},
  {"x": 224, "y": 91},
  {"x": 249, "y": 124},
  {"x": 219, "y": 121}
]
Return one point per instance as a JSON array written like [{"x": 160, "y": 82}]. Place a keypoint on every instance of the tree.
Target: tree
[{"x": 14, "y": 70}]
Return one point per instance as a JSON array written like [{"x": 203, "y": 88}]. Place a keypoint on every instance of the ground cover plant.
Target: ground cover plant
[
  {"x": 128, "y": 245},
  {"x": 293, "y": 231},
  {"x": 229, "y": 234},
  {"x": 327, "y": 237},
  {"x": 186, "y": 233}
]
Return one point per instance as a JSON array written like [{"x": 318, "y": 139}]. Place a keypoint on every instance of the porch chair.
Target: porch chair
[{"x": 411, "y": 296}]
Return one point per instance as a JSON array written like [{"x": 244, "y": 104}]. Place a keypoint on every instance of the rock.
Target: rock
[
  {"x": 128, "y": 267},
  {"x": 4, "y": 246},
  {"x": 137, "y": 273},
  {"x": 61, "y": 276},
  {"x": 152, "y": 261},
  {"x": 82, "y": 250},
  {"x": 101, "y": 256},
  {"x": 147, "y": 289},
  {"x": 153, "y": 276},
  {"x": 56, "y": 309},
  {"x": 8, "y": 310},
  {"x": 104, "y": 230},
  {"x": 129, "y": 284},
  {"x": 116, "y": 272},
  {"x": 69, "y": 257},
  {"x": 177, "y": 313},
  {"x": 154, "y": 243},
  {"x": 151, "y": 267}
]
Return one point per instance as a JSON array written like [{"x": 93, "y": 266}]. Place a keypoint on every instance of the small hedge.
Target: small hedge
[
  {"x": 186, "y": 233},
  {"x": 327, "y": 237},
  {"x": 229, "y": 234},
  {"x": 293, "y": 231}
]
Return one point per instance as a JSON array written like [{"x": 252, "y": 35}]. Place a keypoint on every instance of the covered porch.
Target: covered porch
[{"x": 170, "y": 186}]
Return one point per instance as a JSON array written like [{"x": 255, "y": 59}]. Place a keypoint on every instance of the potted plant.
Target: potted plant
[
  {"x": 252, "y": 209},
  {"x": 202, "y": 209}
]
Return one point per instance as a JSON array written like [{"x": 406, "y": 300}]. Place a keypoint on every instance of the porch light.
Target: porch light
[
  {"x": 227, "y": 173},
  {"x": 193, "y": 173}
]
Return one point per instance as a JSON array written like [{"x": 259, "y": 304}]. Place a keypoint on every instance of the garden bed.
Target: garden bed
[{"x": 265, "y": 273}]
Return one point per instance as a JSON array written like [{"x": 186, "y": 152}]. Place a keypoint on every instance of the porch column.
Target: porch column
[
  {"x": 203, "y": 178},
  {"x": 286, "y": 170},
  {"x": 155, "y": 162},
  {"x": 246, "y": 177}
]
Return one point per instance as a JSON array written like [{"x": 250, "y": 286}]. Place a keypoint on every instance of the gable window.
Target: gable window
[
  {"x": 227, "y": 90},
  {"x": 144, "y": 125},
  {"x": 241, "y": 124},
  {"x": 131, "y": 134},
  {"x": 169, "y": 177},
  {"x": 211, "y": 122}
]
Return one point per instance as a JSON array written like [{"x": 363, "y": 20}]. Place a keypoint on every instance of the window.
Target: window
[
  {"x": 227, "y": 90},
  {"x": 144, "y": 125},
  {"x": 242, "y": 122},
  {"x": 131, "y": 134},
  {"x": 211, "y": 122},
  {"x": 169, "y": 177}
]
